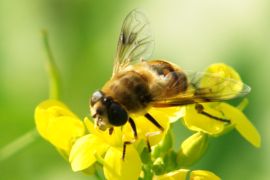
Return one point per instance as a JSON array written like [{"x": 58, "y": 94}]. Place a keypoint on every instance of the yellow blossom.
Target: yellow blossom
[
  {"x": 98, "y": 145},
  {"x": 57, "y": 124},
  {"x": 200, "y": 122}
]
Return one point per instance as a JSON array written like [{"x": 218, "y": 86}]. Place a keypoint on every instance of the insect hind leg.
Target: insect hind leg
[
  {"x": 200, "y": 109},
  {"x": 151, "y": 134}
]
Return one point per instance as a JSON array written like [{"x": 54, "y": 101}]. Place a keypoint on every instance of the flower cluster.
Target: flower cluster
[{"x": 86, "y": 146}]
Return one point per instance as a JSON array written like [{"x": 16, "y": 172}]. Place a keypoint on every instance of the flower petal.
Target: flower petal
[
  {"x": 144, "y": 126},
  {"x": 63, "y": 131},
  {"x": 44, "y": 111},
  {"x": 115, "y": 139},
  {"x": 171, "y": 113},
  {"x": 242, "y": 124},
  {"x": 118, "y": 169},
  {"x": 199, "y": 122},
  {"x": 82, "y": 154},
  {"x": 223, "y": 70},
  {"x": 57, "y": 124},
  {"x": 203, "y": 175}
]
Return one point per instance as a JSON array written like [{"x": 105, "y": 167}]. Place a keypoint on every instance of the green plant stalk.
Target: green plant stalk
[
  {"x": 54, "y": 80},
  {"x": 18, "y": 144},
  {"x": 243, "y": 104}
]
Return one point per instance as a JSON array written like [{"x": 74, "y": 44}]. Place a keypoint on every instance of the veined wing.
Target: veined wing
[
  {"x": 205, "y": 87},
  {"x": 135, "y": 41}
]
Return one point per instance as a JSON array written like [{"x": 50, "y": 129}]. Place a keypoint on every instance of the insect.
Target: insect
[{"x": 137, "y": 84}]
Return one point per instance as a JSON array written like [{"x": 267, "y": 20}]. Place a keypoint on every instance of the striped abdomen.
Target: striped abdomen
[{"x": 175, "y": 80}]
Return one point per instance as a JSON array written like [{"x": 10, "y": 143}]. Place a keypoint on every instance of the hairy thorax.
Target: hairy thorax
[{"x": 129, "y": 88}]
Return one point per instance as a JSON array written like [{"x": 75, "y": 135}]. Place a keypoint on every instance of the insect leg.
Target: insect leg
[
  {"x": 133, "y": 126},
  {"x": 200, "y": 109},
  {"x": 150, "y": 134},
  {"x": 125, "y": 146},
  {"x": 111, "y": 131},
  {"x": 152, "y": 120}
]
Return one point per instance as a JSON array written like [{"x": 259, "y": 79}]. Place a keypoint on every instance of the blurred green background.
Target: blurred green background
[{"x": 83, "y": 36}]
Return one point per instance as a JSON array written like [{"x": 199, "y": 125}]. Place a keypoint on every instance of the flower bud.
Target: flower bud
[
  {"x": 224, "y": 72},
  {"x": 192, "y": 149},
  {"x": 177, "y": 174},
  {"x": 169, "y": 160},
  {"x": 158, "y": 166},
  {"x": 164, "y": 146},
  {"x": 145, "y": 156}
]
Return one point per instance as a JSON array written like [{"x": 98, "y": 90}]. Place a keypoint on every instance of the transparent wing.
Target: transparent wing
[
  {"x": 205, "y": 87},
  {"x": 135, "y": 41}
]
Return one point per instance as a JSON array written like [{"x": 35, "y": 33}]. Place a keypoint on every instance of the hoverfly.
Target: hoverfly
[{"x": 137, "y": 84}]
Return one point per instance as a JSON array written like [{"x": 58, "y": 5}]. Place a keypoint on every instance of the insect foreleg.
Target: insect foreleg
[
  {"x": 133, "y": 126},
  {"x": 111, "y": 131}
]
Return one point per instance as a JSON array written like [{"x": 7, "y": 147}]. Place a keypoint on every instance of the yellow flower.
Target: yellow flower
[
  {"x": 57, "y": 124},
  {"x": 91, "y": 148},
  {"x": 98, "y": 144},
  {"x": 199, "y": 122},
  {"x": 183, "y": 174}
]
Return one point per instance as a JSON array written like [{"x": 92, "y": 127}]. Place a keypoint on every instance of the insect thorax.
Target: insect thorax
[{"x": 130, "y": 89}]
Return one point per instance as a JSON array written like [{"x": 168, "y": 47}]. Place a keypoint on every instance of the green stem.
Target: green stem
[
  {"x": 97, "y": 175},
  {"x": 243, "y": 104},
  {"x": 54, "y": 79},
  {"x": 29, "y": 137},
  {"x": 18, "y": 144}
]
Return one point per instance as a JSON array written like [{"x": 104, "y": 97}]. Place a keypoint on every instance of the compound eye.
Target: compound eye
[
  {"x": 97, "y": 95},
  {"x": 117, "y": 116}
]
